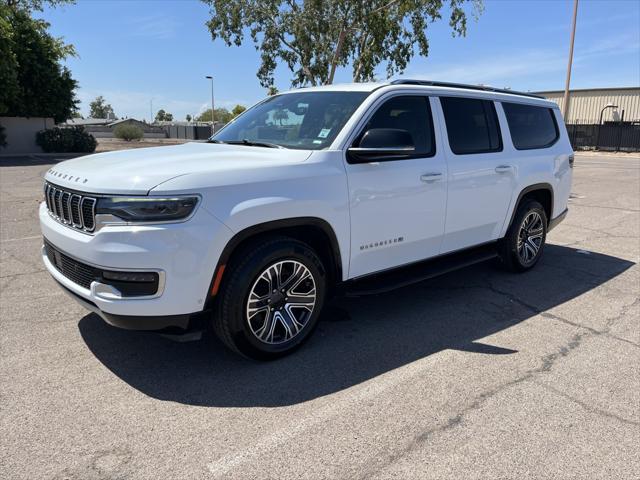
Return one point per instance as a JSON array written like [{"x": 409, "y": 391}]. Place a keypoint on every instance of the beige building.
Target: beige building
[{"x": 585, "y": 104}]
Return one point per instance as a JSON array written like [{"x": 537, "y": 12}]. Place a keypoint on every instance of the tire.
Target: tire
[
  {"x": 271, "y": 325},
  {"x": 523, "y": 245}
]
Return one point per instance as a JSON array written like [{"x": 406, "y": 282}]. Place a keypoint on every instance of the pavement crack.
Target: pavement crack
[{"x": 586, "y": 406}]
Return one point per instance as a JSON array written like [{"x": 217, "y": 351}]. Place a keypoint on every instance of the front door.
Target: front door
[{"x": 398, "y": 206}]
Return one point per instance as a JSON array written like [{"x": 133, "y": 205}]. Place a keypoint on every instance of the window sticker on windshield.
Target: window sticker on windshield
[{"x": 324, "y": 133}]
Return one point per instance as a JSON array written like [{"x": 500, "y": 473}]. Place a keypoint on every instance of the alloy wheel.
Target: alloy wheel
[
  {"x": 530, "y": 237},
  {"x": 281, "y": 302}
]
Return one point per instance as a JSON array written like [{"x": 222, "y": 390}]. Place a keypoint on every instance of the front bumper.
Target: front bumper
[{"x": 184, "y": 254}]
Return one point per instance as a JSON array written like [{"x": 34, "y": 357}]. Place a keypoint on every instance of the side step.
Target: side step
[{"x": 417, "y": 272}]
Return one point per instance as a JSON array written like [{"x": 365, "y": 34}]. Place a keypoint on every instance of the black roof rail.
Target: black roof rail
[{"x": 432, "y": 83}]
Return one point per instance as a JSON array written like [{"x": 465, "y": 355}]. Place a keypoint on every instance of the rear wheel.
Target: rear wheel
[
  {"x": 271, "y": 301},
  {"x": 524, "y": 242}
]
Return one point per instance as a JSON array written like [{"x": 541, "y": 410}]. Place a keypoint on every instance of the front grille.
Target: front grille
[
  {"x": 128, "y": 283},
  {"x": 73, "y": 209},
  {"x": 74, "y": 270}
]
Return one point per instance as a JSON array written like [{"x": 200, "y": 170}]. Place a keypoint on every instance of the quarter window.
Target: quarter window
[
  {"x": 531, "y": 126},
  {"x": 472, "y": 125},
  {"x": 411, "y": 113}
]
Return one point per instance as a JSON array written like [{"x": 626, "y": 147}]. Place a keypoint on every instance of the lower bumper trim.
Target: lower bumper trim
[
  {"x": 555, "y": 221},
  {"x": 166, "y": 324}
]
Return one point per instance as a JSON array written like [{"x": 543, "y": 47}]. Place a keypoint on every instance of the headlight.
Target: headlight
[{"x": 147, "y": 209}]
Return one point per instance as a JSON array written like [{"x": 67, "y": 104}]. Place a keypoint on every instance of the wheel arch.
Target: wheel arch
[
  {"x": 542, "y": 192},
  {"x": 314, "y": 231}
]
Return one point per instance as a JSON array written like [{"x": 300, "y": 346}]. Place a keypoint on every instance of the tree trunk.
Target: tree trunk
[{"x": 336, "y": 56}]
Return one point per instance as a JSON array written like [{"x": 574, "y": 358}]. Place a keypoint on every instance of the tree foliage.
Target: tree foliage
[
  {"x": 33, "y": 81},
  {"x": 163, "y": 116},
  {"x": 128, "y": 132},
  {"x": 221, "y": 115},
  {"x": 37, "y": 5},
  {"x": 314, "y": 37},
  {"x": 65, "y": 140},
  {"x": 237, "y": 110},
  {"x": 99, "y": 108},
  {"x": 188, "y": 117}
]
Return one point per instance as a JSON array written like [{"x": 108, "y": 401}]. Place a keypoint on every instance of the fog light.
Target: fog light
[{"x": 130, "y": 276}]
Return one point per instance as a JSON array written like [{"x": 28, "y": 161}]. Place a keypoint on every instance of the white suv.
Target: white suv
[{"x": 348, "y": 188}]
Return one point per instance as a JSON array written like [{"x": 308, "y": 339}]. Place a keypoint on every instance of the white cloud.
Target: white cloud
[
  {"x": 155, "y": 26},
  {"x": 520, "y": 68}
]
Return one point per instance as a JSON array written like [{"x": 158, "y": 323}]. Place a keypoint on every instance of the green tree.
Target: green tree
[
  {"x": 188, "y": 117},
  {"x": 33, "y": 82},
  {"x": 314, "y": 37},
  {"x": 37, "y": 5},
  {"x": 272, "y": 90},
  {"x": 238, "y": 109},
  {"x": 221, "y": 115},
  {"x": 99, "y": 108},
  {"x": 163, "y": 116},
  {"x": 160, "y": 115}
]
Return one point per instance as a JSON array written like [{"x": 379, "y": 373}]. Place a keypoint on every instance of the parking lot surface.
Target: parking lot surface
[{"x": 477, "y": 374}]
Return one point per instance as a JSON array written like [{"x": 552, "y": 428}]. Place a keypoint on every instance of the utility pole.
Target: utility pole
[
  {"x": 565, "y": 105},
  {"x": 212, "y": 114},
  {"x": 151, "y": 110}
]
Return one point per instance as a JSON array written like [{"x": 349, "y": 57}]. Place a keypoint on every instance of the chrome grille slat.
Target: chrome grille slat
[
  {"x": 87, "y": 208},
  {"x": 57, "y": 198},
  {"x": 70, "y": 208},
  {"x": 64, "y": 201},
  {"x": 74, "y": 206}
]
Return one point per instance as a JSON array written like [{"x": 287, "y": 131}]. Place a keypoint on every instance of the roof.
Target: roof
[
  {"x": 598, "y": 89},
  {"x": 433, "y": 86},
  {"x": 88, "y": 121},
  {"x": 122, "y": 120}
]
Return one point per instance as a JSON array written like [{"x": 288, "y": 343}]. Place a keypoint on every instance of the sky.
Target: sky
[{"x": 143, "y": 53}]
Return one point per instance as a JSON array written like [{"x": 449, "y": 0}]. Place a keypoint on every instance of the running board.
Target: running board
[{"x": 417, "y": 272}]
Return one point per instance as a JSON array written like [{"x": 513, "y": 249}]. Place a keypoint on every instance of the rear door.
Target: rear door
[
  {"x": 397, "y": 207},
  {"x": 481, "y": 176}
]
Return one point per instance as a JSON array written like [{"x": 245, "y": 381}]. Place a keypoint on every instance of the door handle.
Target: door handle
[
  {"x": 431, "y": 177},
  {"x": 504, "y": 169}
]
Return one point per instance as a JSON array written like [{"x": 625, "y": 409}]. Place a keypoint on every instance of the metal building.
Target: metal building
[{"x": 585, "y": 105}]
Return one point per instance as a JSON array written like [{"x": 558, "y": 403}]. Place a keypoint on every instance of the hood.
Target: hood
[{"x": 137, "y": 171}]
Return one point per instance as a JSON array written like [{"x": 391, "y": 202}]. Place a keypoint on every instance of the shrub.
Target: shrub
[
  {"x": 128, "y": 132},
  {"x": 66, "y": 140},
  {"x": 3, "y": 137}
]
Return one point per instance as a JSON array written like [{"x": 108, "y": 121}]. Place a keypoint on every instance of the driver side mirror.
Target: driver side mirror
[{"x": 382, "y": 144}]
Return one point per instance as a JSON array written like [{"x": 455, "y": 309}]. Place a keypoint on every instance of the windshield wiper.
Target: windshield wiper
[{"x": 252, "y": 143}]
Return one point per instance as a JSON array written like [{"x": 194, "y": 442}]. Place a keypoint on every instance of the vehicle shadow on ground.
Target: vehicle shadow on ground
[{"x": 357, "y": 339}]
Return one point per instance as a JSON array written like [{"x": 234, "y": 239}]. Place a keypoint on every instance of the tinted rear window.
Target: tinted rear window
[
  {"x": 472, "y": 125},
  {"x": 530, "y": 126}
]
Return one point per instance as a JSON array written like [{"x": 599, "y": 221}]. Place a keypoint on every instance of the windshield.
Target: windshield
[{"x": 305, "y": 120}]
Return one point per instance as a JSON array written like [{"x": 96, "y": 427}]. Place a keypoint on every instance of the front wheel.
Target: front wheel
[
  {"x": 523, "y": 244},
  {"x": 272, "y": 299}
]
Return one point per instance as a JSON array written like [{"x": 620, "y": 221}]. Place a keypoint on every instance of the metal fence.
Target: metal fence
[
  {"x": 614, "y": 137},
  {"x": 191, "y": 132}
]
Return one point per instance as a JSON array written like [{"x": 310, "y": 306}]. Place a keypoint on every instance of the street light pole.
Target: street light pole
[
  {"x": 212, "y": 108},
  {"x": 565, "y": 105}
]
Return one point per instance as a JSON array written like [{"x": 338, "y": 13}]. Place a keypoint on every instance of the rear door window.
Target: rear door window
[
  {"x": 472, "y": 125},
  {"x": 531, "y": 126}
]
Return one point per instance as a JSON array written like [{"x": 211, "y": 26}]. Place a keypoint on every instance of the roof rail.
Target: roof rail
[{"x": 432, "y": 83}]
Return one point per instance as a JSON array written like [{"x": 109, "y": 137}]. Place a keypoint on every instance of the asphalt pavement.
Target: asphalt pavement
[{"x": 476, "y": 374}]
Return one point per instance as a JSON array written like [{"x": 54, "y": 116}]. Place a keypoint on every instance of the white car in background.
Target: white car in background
[{"x": 347, "y": 188}]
